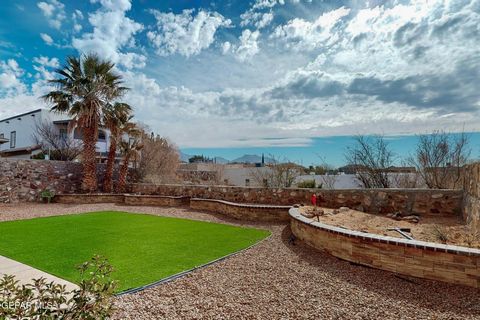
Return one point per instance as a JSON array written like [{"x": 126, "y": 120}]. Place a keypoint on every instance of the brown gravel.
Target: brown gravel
[
  {"x": 277, "y": 280},
  {"x": 427, "y": 229}
]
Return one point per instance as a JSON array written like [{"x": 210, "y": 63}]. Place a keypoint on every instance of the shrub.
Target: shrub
[
  {"x": 47, "y": 195},
  {"x": 306, "y": 184},
  {"x": 47, "y": 301}
]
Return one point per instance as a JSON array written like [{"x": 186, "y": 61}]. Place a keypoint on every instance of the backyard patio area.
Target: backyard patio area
[{"x": 276, "y": 279}]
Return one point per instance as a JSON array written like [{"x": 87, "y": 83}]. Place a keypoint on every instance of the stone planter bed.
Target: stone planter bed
[
  {"x": 446, "y": 229},
  {"x": 453, "y": 264}
]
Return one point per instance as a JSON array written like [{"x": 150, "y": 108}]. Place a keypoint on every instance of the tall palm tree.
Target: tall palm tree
[
  {"x": 116, "y": 118},
  {"x": 130, "y": 149},
  {"x": 84, "y": 86}
]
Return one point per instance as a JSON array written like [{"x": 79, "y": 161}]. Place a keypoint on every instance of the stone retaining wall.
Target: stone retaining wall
[
  {"x": 242, "y": 211},
  {"x": 421, "y": 259},
  {"x": 156, "y": 200},
  {"x": 419, "y": 201},
  {"x": 89, "y": 198},
  {"x": 23, "y": 180},
  {"x": 471, "y": 196}
]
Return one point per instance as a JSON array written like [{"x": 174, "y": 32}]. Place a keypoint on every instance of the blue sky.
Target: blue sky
[{"x": 260, "y": 74}]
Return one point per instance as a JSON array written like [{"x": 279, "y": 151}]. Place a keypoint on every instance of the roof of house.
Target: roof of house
[{"x": 21, "y": 115}]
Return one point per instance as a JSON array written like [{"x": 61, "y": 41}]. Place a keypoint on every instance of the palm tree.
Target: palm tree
[
  {"x": 130, "y": 149},
  {"x": 116, "y": 118},
  {"x": 84, "y": 87}
]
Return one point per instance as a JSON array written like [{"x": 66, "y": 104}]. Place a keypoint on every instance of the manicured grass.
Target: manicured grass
[{"x": 142, "y": 248}]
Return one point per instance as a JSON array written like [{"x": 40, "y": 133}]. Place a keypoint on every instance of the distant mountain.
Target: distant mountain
[
  {"x": 220, "y": 160},
  {"x": 252, "y": 158},
  {"x": 184, "y": 157}
]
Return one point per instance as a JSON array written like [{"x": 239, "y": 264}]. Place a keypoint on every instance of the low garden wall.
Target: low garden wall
[
  {"x": 421, "y": 259},
  {"x": 156, "y": 200},
  {"x": 419, "y": 201},
  {"x": 250, "y": 212},
  {"x": 89, "y": 198}
]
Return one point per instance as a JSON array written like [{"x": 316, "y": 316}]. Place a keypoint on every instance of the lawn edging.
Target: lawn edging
[
  {"x": 447, "y": 263},
  {"x": 186, "y": 272}
]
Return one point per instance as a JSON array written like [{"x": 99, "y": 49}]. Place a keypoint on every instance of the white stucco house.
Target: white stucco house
[{"x": 17, "y": 134}]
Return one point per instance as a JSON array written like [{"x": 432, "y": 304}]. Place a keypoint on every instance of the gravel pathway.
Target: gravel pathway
[{"x": 277, "y": 280}]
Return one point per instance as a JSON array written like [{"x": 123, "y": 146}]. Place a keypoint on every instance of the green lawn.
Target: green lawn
[{"x": 142, "y": 248}]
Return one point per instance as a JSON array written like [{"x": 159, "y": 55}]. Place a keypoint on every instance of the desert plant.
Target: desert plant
[
  {"x": 48, "y": 300},
  {"x": 47, "y": 195},
  {"x": 440, "y": 233},
  {"x": 116, "y": 118},
  {"x": 84, "y": 87},
  {"x": 307, "y": 184}
]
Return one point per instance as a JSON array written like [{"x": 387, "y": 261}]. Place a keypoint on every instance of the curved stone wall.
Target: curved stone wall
[
  {"x": 241, "y": 211},
  {"x": 89, "y": 198},
  {"x": 421, "y": 259}
]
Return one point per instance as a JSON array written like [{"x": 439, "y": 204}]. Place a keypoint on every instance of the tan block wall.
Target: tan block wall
[
  {"x": 243, "y": 212},
  {"x": 408, "y": 257}
]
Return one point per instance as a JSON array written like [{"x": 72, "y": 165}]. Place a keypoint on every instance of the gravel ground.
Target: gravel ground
[{"x": 277, "y": 280}]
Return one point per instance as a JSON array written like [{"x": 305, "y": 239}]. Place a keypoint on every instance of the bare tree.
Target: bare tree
[
  {"x": 58, "y": 144},
  {"x": 439, "y": 158},
  {"x": 277, "y": 174},
  {"x": 329, "y": 176},
  {"x": 159, "y": 159},
  {"x": 371, "y": 156}
]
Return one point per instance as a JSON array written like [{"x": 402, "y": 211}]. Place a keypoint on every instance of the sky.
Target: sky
[{"x": 232, "y": 75}]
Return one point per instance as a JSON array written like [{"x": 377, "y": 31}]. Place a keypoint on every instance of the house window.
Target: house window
[
  {"x": 101, "y": 135},
  {"x": 63, "y": 133},
  {"x": 2, "y": 135},
  {"x": 13, "y": 139},
  {"x": 247, "y": 182},
  {"x": 78, "y": 134}
]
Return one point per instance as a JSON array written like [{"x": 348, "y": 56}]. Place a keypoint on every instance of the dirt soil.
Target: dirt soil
[{"x": 433, "y": 228}]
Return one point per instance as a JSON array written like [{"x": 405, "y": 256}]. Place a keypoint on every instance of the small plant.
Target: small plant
[
  {"x": 440, "y": 233},
  {"x": 48, "y": 301},
  {"x": 307, "y": 184},
  {"x": 47, "y": 195}
]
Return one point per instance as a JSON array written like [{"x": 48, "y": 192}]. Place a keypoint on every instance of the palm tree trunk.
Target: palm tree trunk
[
  {"x": 108, "y": 180},
  {"x": 122, "y": 177},
  {"x": 89, "y": 183}
]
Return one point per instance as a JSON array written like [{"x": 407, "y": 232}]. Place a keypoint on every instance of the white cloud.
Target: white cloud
[
  {"x": 46, "y": 38},
  {"x": 300, "y": 34},
  {"x": 77, "y": 16},
  {"x": 248, "y": 46},
  {"x": 54, "y": 11},
  {"x": 186, "y": 33},
  {"x": 226, "y": 46},
  {"x": 257, "y": 19},
  {"x": 113, "y": 33}
]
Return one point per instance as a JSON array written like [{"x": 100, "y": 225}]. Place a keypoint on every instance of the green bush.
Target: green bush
[
  {"x": 307, "y": 184},
  {"x": 48, "y": 301},
  {"x": 47, "y": 195}
]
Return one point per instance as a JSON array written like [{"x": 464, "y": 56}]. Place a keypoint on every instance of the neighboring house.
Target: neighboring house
[{"x": 17, "y": 134}]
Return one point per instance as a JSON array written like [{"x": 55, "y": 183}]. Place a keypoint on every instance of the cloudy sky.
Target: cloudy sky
[{"x": 264, "y": 73}]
